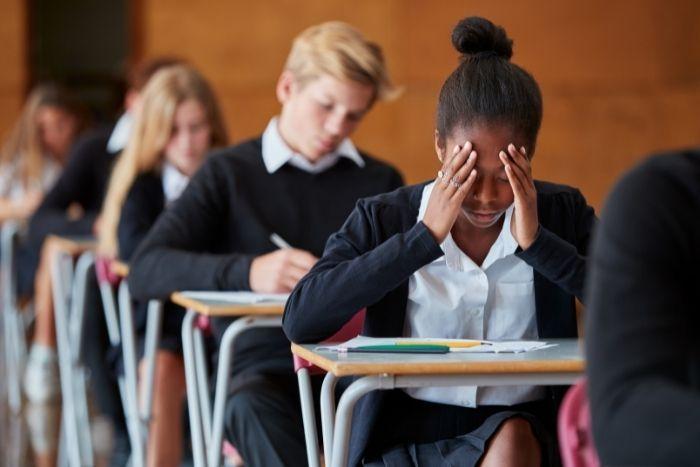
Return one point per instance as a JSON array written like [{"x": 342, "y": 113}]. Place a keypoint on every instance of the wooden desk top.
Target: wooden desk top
[
  {"x": 73, "y": 245},
  {"x": 119, "y": 268},
  {"x": 224, "y": 308},
  {"x": 566, "y": 356}
]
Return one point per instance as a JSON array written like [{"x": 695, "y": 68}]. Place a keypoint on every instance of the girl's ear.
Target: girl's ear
[{"x": 439, "y": 147}]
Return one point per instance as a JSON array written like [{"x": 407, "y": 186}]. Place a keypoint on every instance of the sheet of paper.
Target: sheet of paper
[
  {"x": 485, "y": 347},
  {"x": 244, "y": 298}
]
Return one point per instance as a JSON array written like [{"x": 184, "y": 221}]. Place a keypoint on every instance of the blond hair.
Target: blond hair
[
  {"x": 339, "y": 50},
  {"x": 152, "y": 128},
  {"x": 23, "y": 148}
]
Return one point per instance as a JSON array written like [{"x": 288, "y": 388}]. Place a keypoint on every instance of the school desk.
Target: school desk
[
  {"x": 206, "y": 425},
  {"x": 558, "y": 365}
]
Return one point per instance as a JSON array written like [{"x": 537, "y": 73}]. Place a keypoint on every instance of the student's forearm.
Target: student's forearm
[
  {"x": 158, "y": 272},
  {"x": 558, "y": 261},
  {"x": 343, "y": 283},
  {"x": 50, "y": 222}
]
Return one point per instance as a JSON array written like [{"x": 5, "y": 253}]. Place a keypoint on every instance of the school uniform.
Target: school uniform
[
  {"x": 209, "y": 238},
  {"x": 376, "y": 261},
  {"x": 642, "y": 346},
  {"x": 147, "y": 198}
]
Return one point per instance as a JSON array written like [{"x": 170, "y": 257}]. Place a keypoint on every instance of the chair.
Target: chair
[
  {"x": 13, "y": 322},
  {"x": 574, "y": 427},
  {"x": 304, "y": 369},
  {"x": 122, "y": 333}
]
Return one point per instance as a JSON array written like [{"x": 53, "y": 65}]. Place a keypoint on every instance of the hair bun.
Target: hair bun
[{"x": 474, "y": 35}]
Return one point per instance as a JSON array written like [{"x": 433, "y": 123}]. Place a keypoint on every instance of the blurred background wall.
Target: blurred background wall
[{"x": 620, "y": 78}]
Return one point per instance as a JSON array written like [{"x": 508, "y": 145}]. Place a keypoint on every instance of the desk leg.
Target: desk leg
[
  {"x": 202, "y": 383},
  {"x": 13, "y": 326},
  {"x": 352, "y": 394},
  {"x": 131, "y": 375},
  {"x": 222, "y": 376},
  {"x": 84, "y": 269},
  {"x": 198, "y": 453},
  {"x": 308, "y": 417},
  {"x": 153, "y": 329},
  {"x": 328, "y": 414},
  {"x": 60, "y": 287}
]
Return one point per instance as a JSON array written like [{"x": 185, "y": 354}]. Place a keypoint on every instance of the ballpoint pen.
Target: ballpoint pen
[{"x": 278, "y": 241}]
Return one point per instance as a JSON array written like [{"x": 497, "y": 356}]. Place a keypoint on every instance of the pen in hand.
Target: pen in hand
[{"x": 278, "y": 241}]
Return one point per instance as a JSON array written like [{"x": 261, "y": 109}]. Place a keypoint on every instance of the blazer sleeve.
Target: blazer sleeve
[
  {"x": 356, "y": 270},
  {"x": 73, "y": 186},
  {"x": 641, "y": 330},
  {"x": 175, "y": 253},
  {"x": 562, "y": 259},
  {"x": 142, "y": 206}
]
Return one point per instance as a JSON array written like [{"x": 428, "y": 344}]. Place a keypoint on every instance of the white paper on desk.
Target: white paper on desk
[
  {"x": 243, "y": 298},
  {"x": 488, "y": 347}
]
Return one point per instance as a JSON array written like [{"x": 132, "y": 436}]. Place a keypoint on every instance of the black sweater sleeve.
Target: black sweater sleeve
[
  {"x": 642, "y": 324},
  {"x": 356, "y": 271},
  {"x": 174, "y": 255},
  {"x": 75, "y": 185},
  {"x": 142, "y": 206},
  {"x": 563, "y": 261}
]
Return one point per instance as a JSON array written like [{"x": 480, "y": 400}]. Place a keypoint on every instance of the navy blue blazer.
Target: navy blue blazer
[{"x": 368, "y": 262}]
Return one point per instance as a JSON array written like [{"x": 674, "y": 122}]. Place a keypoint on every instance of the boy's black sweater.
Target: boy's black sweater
[{"x": 209, "y": 237}]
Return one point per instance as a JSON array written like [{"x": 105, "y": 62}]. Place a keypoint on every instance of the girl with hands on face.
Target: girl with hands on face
[{"x": 483, "y": 251}]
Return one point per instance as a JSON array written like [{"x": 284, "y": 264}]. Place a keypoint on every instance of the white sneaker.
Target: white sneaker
[
  {"x": 43, "y": 422},
  {"x": 41, "y": 383}
]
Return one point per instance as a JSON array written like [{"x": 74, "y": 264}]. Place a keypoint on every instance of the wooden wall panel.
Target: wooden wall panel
[
  {"x": 12, "y": 57},
  {"x": 620, "y": 79}
]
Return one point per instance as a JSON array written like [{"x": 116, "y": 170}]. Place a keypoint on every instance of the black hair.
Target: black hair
[{"x": 486, "y": 88}]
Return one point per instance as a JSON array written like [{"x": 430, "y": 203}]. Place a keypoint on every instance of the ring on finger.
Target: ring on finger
[
  {"x": 441, "y": 174},
  {"x": 455, "y": 183}
]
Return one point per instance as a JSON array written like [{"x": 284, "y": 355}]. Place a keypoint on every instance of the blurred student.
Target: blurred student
[
  {"x": 31, "y": 160},
  {"x": 178, "y": 124},
  {"x": 484, "y": 251},
  {"x": 36, "y": 150},
  {"x": 642, "y": 348},
  {"x": 80, "y": 189},
  {"x": 298, "y": 180}
]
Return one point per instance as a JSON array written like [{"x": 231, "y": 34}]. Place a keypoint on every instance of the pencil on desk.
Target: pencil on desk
[{"x": 452, "y": 344}]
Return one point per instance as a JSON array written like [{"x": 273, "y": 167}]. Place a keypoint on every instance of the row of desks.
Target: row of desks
[{"x": 560, "y": 364}]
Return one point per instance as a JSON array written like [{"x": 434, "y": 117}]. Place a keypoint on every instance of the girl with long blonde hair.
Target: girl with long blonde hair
[
  {"x": 178, "y": 123},
  {"x": 36, "y": 149}
]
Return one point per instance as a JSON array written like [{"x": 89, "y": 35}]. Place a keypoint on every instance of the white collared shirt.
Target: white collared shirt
[
  {"x": 174, "y": 182},
  {"x": 276, "y": 153},
  {"x": 12, "y": 185},
  {"x": 120, "y": 134},
  {"x": 453, "y": 297}
]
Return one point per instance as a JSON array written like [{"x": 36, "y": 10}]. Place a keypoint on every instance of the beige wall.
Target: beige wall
[
  {"x": 12, "y": 58},
  {"x": 620, "y": 78}
]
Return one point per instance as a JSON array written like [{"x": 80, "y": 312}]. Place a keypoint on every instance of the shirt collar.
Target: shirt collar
[
  {"x": 174, "y": 182},
  {"x": 455, "y": 258},
  {"x": 120, "y": 134},
  {"x": 276, "y": 153}
]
